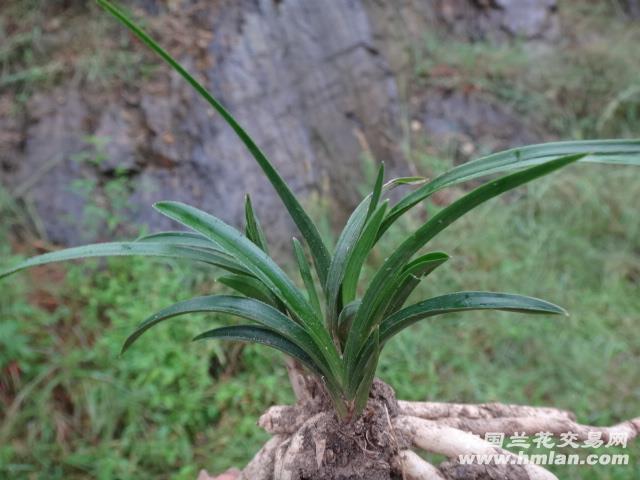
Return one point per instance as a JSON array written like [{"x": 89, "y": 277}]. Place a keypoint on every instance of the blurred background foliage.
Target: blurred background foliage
[{"x": 72, "y": 407}]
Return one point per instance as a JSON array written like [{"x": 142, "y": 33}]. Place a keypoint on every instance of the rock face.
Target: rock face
[
  {"x": 315, "y": 83},
  {"x": 502, "y": 19}
]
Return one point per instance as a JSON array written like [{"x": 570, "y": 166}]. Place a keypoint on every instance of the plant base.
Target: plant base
[{"x": 310, "y": 443}]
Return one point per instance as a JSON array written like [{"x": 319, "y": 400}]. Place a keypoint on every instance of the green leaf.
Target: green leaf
[
  {"x": 374, "y": 302},
  {"x": 462, "y": 301},
  {"x": 249, "y": 254},
  {"x": 359, "y": 253},
  {"x": 252, "y": 334},
  {"x": 304, "y": 223},
  {"x": 247, "y": 308},
  {"x": 367, "y": 374},
  {"x": 346, "y": 317},
  {"x": 407, "y": 281},
  {"x": 307, "y": 278},
  {"x": 250, "y": 287},
  {"x": 621, "y": 152},
  {"x": 253, "y": 228},
  {"x": 188, "y": 239},
  {"x": 262, "y": 266},
  {"x": 346, "y": 242},
  {"x": 411, "y": 276},
  {"x": 264, "y": 336},
  {"x": 132, "y": 249},
  {"x": 377, "y": 191},
  {"x": 370, "y": 350},
  {"x": 399, "y": 181}
]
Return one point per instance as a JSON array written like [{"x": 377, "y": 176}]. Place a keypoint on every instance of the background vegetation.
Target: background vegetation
[{"x": 71, "y": 407}]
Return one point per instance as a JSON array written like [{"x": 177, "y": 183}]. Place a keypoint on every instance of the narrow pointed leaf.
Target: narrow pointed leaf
[
  {"x": 374, "y": 303},
  {"x": 359, "y": 253},
  {"x": 304, "y": 223},
  {"x": 250, "y": 287},
  {"x": 377, "y": 191},
  {"x": 344, "y": 247},
  {"x": 462, "y": 301},
  {"x": 188, "y": 239},
  {"x": 247, "y": 308},
  {"x": 121, "y": 249},
  {"x": 399, "y": 181},
  {"x": 253, "y": 228},
  {"x": 264, "y": 336},
  {"x": 307, "y": 278},
  {"x": 412, "y": 275},
  {"x": 621, "y": 152}
]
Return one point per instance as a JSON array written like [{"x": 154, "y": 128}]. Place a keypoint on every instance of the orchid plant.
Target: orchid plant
[{"x": 336, "y": 325}]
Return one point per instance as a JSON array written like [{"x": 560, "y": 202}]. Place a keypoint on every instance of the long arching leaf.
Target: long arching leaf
[
  {"x": 462, "y": 301},
  {"x": 244, "y": 283},
  {"x": 621, "y": 152},
  {"x": 247, "y": 308},
  {"x": 255, "y": 259},
  {"x": 121, "y": 249},
  {"x": 374, "y": 303},
  {"x": 308, "y": 229},
  {"x": 188, "y": 239},
  {"x": 453, "y": 302},
  {"x": 251, "y": 287},
  {"x": 262, "y": 266},
  {"x": 253, "y": 334}
]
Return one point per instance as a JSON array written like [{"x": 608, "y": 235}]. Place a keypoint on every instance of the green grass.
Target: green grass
[
  {"x": 37, "y": 54},
  {"x": 588, "y": 88},
  {"x": 85, "y": 412},
  {"x": 578, "y": 246}
]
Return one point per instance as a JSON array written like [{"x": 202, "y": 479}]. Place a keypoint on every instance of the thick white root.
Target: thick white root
[
  {"x": 262, "y": 465},
  {"x": 433, "y": 437},
  {"x": 438, "y": 410},
  {"x": 415, "y": 468},
  {"x": 441, "y": 428}
]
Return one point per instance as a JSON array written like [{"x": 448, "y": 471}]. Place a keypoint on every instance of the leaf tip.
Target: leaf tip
[
  {"x": 159, "y": 205},
  {"x": 166, "y": 206}
]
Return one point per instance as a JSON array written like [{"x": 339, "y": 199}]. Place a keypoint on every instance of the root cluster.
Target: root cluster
[{"x": 309, "y": 442}]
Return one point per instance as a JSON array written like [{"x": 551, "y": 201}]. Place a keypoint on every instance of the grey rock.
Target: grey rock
[
  {"x": 463, "y": 121},
  {"x": 117, "y": 131},
  {"x": 313, "y": 82},
  {"x": 49, "y": 165},
  {"x": 501, "y": 20}
]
